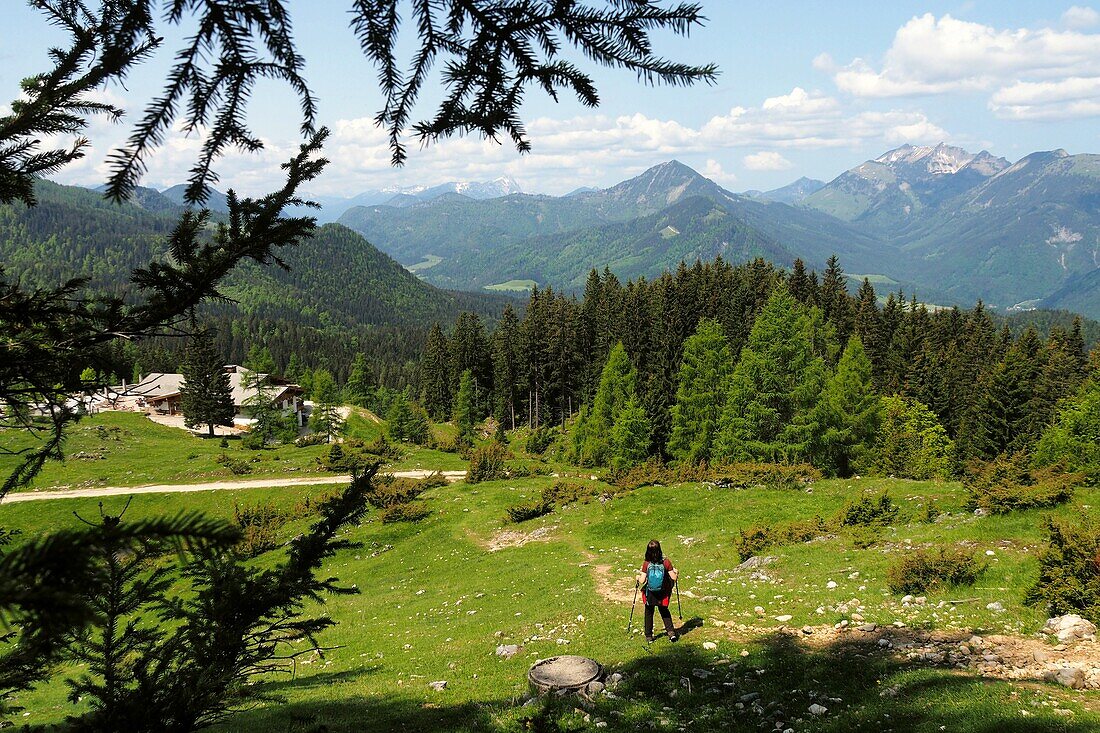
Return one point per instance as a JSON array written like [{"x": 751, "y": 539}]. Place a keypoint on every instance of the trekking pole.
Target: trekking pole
[
  {"x": 628, "y": 623},
  {"x": 679, "y": 608}
]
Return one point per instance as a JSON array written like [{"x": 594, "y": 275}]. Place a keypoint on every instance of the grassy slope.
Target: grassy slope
[
  {"x": 138, "y": 451},
  {"x": 432, "y": 604}
]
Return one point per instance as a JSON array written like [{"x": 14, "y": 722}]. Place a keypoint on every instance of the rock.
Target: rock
[
  {"x": 831, "y": 584},
  {"x": 807, "y": 630},
  {"x": 701, "y": 673},
  {"x": 1070, "y": 628},
  {"x": 757, "y": 561},
  {"x": 749, "y": 697},
  {"x": 921, "y": 600},
  {"x": 710, "y": 646},
  {"x": 1072, "y": 677},
  {"x": 857, "y": 616},
  {"x": 615, "y": 678},
  {"x": 759, "y": 610},
  {"x": 868, "y": 628},
  {"x": 784, "y": 618},
  {"x": 906, "y": 600},
  {"x": 595, "y": 687},
  {"x": 816, "y": 709},
  {"x": 438, "y": 686},
  {"x": 995, "y": 606},
  {"x": 1040, "y": 656},
  {"x": 508, "y": 650}
]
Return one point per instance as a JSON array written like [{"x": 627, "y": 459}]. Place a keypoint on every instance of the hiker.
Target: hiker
[{"x": 657, "y": 578}]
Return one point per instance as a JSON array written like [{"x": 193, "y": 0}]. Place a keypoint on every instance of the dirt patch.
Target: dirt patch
[{"x": 514, "y": 538}]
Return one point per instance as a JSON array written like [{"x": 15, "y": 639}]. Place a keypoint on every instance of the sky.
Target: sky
[{"x": 805, "y": 89}]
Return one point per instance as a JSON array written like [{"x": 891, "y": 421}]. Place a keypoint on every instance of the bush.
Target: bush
[
  {"x": 461, "y": 445},
  {"x": 260, "y": 525},
  {"x": 540, "y": 439},
  {"x": 1069, "y": 569},
  {"x": 767, "y": 475},
  {"x": 868, "y": 511},
  {"x": 565, "y": 492},
  {"x": 224, "y": 443},
  {"x": 236, "y": 466},
  {"x": 529, "y": 509},
  {"x": 487, "y": 463},
  {"x": 253, "y": 441},
  {"x": 759, "y": 537},
  {"x": 920, "y": 571},
  {"x": 1008, "y": 483},
  {"x": 345, "y": 458},
  {"x": 387, "y": 491},
  {"x": 405, "y": 513},
  {"x": 382, "y": 448},
  {"x": 311, "y": 439},
  {"x": 865, "y": 537}
]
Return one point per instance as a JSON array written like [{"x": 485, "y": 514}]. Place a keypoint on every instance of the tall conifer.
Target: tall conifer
[
  {"x": 205, "y": 395},
  {"x": 700, "y": 393}
]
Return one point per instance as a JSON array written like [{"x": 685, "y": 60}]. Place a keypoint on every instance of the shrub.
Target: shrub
[
  {"x": 1073, "y": 439},
  {"x": 1008, "y": 483},
  {"x": 345, "y": 458},
  {"x": 565, "y": 492},
  {"x": 1069, "y": 569},
  {"x": 911, "y": 442},
  {"x": 253, "y": 441},
  {"x": 409, "y": 512},
  {"x": 920, "y": 571},
  {"x": 387, "y": 491},
  {"x": 260, "y": 525},
  {"x": 460, "y": 444},
  {"x": 864, "y": 537},
  {"x": 224, "y": 443},
  {"x": 432, "y": 480},
  {"x": 383, "y": 449},
  {"x": 650, "y": 473},
  {"x": 752, "y": 541},
  {"x": 540, "y": 439},
  {"x": 767, "y": 475},
  {"x": 529, "y": 509},
  {"x": 868, "y": 511},
  {"x": 236, "y": 466},
  {"x": 487, "y": 463}
]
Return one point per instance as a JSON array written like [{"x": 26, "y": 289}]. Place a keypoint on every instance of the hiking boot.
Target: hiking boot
[{"x": 674, "y": 638}]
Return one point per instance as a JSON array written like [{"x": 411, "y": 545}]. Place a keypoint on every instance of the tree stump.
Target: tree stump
[{"x": 564, "y": 674}]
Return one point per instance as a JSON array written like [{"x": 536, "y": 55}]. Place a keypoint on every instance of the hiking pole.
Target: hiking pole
[
  {"x": 628, "y": 623},
  {"x": 679, "y": 608}
]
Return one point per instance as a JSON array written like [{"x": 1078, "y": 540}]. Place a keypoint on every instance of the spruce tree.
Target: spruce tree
[
  {"x": 265, "y": 414},
  {"x": 325, "y": 418},
  {"x": 848, "y": 413},
  {"x": 358, "y": 388},
  {"x": 630, "y": 435},
  {"x": 465, "y": 410},
  {"x": 768, "y": 414},
  {"x": 506, "y": 368},
  {"x": 618, "y": 386},
  {"x": 206, "y": 396},
  {"x": 701, "y": 391},
  {"x": 435, "y": 374},
  {"x": 259, "y": 359}
]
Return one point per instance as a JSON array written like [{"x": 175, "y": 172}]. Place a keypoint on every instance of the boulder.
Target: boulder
[
  {"x": 1070, "y": 627},
  {"x": 508, "y": 650},
  {"x": 1072, "y": 677},
  {"x": 438, "y": 686}
]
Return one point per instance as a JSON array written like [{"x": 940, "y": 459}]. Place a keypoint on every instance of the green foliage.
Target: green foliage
[
  {"x": 407, "y": 422},
  {"x": 236, "y": 466},
  {"x": 1069, "y": 576},
  {"x": 539, "y": 439},
  {"x": 911, "y": 442},
  {"x": 487, "y": 463},
  {"x": 1073, "y": 439},
  {"x": 325, "y": 418},
  {"x": 757, "y": 538},
  {"x": 701, "y": 391},
  {"x": 411, "y": 512},
  {"x": 769, "y": 415},
  {"x": 869, "y": 511},
  {"x": 1009, "y": 483},
  {"x": 848, "y": 413},
  {"x": 465, "y": 409},
  {"x": 259, "y": 525},
  {"x": 388, "y": 491},
  {"x": 630, "y": 436},
  {"x": 921, "y": 571},
  {"x": 530, "y": 509},
  {"x": 358, "y": 388},
  {"x": 615, "y": 430}
]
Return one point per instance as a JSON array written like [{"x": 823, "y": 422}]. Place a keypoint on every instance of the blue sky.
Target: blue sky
[{"x": 806, "y": 88}]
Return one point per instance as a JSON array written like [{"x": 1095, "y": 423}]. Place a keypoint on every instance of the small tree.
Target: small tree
[
  {"x": 630, "y": 436},
  {"x": 358, "y": 388},
  {"x": 206, "y": 396},
  {"x": 465, "y": 414},
  {"x": 848, "y": 412},
  {"x": 1073, "y": 439},
  {"x": 700, "y": 394},
  {"x": 407, "y": 421},
  {"x": 325, "y": 418},
  {"x": 266, "y": 416},
  {"x": 911, "y": 442}
]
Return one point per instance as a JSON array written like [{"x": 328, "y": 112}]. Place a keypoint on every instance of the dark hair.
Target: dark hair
[{"x": 653, "y": 552}]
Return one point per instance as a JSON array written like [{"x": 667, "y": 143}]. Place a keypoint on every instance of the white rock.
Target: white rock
[
  {"x": 816, "y": 709},
  {"x": 831, "y": 584},
  {"x": 1070, "y": 627},
  {"x": 438, "y": 686},
  {"x": 710, "y": 646},
  {"x": 906, "y": 600},
  {"x": 995, "y": 606},
  {"x": 1072, "y": 677},
  {"x": 784, "y": 618},
  {"x": 507, "y": 650}
]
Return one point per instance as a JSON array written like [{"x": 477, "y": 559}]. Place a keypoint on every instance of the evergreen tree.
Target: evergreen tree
[
  {"x": 206, "y": 396},
  {"x": 618, "y": 386},
  {"x": 407, "y": 422},
  {"x": 506, "y": 368},
  {"x": 700, "y": 393},
  {"x": 435, "y": 375},
  {"x": 358, "y": 387},
  {"x": 834, "y": 301},
  {"x": 768, "y": 414},
  {"x": 469, "y": 349},
  {"x": 630, "y": 435},
  {"x": 465, "y": 410},
  {"x": 911, "y": 442},
  {"x": 869, "y": 328},
  {"x": 325, "y": 418},
  {"x": 260, "y": 360},
  {"x": 1073, "y": 439},
  {"x": 848, "y": 413},
  {"x": 266, "y": 416},
  {"x": 798, "y": 283}
]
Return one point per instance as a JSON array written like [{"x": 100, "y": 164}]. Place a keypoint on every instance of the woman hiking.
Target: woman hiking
[{"x": 657, "y": 578}]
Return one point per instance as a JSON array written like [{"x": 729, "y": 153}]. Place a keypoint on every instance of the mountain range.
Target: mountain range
[{"x": 954, "y": 225}]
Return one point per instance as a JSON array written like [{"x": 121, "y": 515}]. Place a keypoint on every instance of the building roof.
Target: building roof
[
  {"x": 153, "y": 385},
  {"x": 158, "y": 386}
]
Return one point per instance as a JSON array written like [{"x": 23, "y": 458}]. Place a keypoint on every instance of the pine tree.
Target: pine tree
[
  {"x": 259, "y": 359},
  {"x": 465, "y": 415},
  {"x": 206, "y": 396},
  {"x": 435, "y": 376},
  {"x": 358, "y": 387},
  {"x": 768, "y": 414},
  {"x": 848, "y": 413},
  {"x": 911, "y": 442},
  {"x": 325, "y": 418},
  {"x": 868, "y": 326},
  {"x": 265, "y": 414},
  {"x": 618, "y": 386},
  {"x": 701, "y": 391},
  {"x": 407, "y": 422},
  {"x": 630, "y": 435},
  {"x": 834, "y": 300},
  {"x": 506, "y": 368}
]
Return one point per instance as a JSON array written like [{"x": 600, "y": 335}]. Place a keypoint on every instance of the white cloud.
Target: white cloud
[
  {"x": 713, "y": 170},
  {"x": 767, "y": 160},
  {"x": 1078, "y": 17},
  {"x": 932, "y": 55}
]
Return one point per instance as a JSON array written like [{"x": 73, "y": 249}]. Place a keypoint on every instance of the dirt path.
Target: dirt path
[{"x": 211, "y": 486}]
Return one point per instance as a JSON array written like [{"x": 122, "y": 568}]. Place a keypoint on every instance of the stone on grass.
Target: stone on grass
[
  {"x": 595, "y": 687},
  {"x": 816, "y": 709},
  {"x": 784, "y": 618},
  {"x": 995, "y": 606},
  {"x": 1072, "y": 677},
  {"x": 1070, "y": 628},
  {"x": 709, "y": 646},
  {"x": 508, "y": 650},
  {"x": 438, "y": 685}
]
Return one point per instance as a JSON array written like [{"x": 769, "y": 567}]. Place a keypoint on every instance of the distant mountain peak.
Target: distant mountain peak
[{"x": 939, "y": 160}]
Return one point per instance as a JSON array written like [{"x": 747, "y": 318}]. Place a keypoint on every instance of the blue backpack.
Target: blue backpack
[{"x": 655, "y": 579}]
